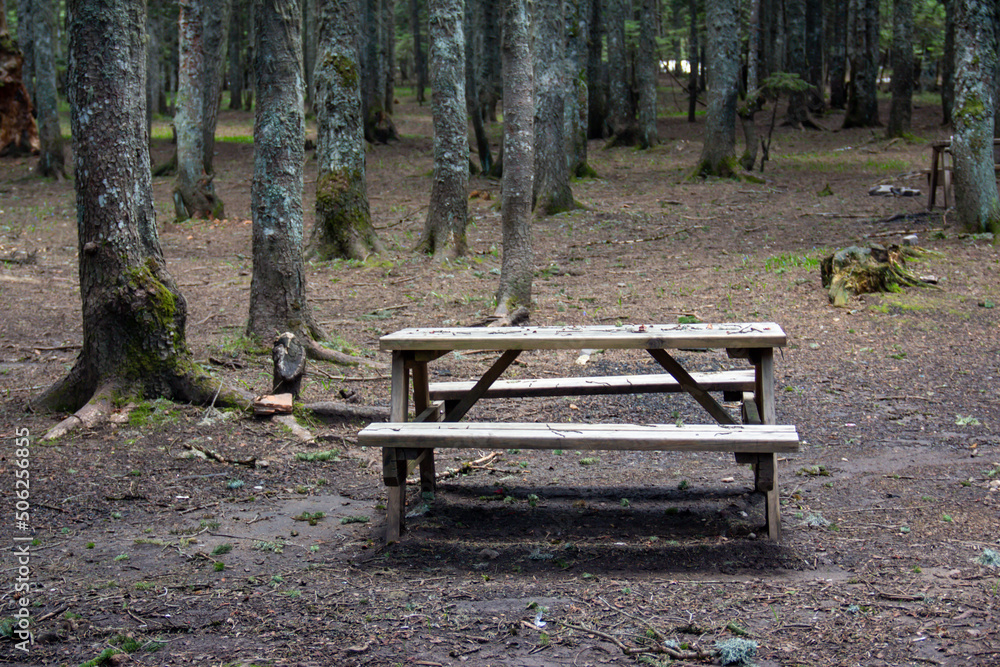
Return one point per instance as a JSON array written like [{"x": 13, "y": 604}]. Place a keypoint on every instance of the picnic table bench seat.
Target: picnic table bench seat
[{"x": 407, "y": 443}]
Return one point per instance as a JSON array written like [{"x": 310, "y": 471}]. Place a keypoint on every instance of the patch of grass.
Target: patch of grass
[
  {"x": 354, "y": 519},
  {"x": 328, "y": 455},
  {"x": 218, "y": 566},
  {"x": 683, "y": 485},
  {"x": 144, "y": 585},
  {"x": 274, "y": 547},
  {"x": 313, "y": 518},
  {"x": 589, "y": 460},
  {"x": 781, "y": 263},
  {"x": 814, "y": 471},
  {"x": 222, "y": 549},
  {"x": 121, "y": 557}
]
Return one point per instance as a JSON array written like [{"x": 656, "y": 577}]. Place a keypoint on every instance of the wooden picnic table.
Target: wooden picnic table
[
  {"x": 438, "y": 408},
  {"x": 939, "y": 150}
]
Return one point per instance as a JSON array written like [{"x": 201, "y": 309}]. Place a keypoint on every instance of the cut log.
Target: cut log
[
  {"x": 272, "y": 404},
  {"x": 337, "y": 411}
]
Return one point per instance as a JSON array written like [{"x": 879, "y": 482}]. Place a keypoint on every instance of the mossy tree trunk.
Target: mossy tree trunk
[
  {"x": 133, "y": 314},
  {"x": 862, "y": 53},
  {"x": 194, "y": 194},
  {"x": 517, "y": 264},
  {"x": 718, "y": 154},
  {"x": 972, "y": 116},
  {"x": 343, "y": 226},
  {"x": 52, "y": 159},
  {"x": 278, "y": 285},
  {"x": 597, "y": 72},
  {"x": 419, "y": 57},
  {"x": 647, "y": 70},
  {"x": 621, "y": 114},
  {"x": 237, "y": 46},
  {"x": 448, "y": 214},
  {"x": 837, "y": 58},
  {"x": 795, "y": 49},
  {"x": 901, "y": 108},
  {"x": 216, "y": 20},
  {"x": 551, "y": 189}
]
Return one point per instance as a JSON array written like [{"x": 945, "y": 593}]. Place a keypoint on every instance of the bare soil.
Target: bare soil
[{"x": 888, "y": 510}]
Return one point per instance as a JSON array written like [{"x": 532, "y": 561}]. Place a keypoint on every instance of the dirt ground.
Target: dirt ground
[{"x": 890, "y": 509}]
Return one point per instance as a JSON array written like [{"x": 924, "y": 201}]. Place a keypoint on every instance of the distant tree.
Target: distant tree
[
  {"x": 862, "y": 54},
  {"x": 133, "y": 314},
  {"x": 948, "y": 62},
  {"x": 815, "y": 54},
  {"x": 694, "y": 62},
  {"x": 517, "y": 264},
  {"x": 972, "y": 116},
  {"x": 26, "y": 42},
  {"x": 375, "y": 71},
  {"x": 419, "y": 57},
  {"x": 551, "y": 189},
  {"x": 837, "y": 58},
  {"x": 343, "y": 218},
  {"x": 754, "y": 99},
  {"x": 900, "y": 111},
  {"x": 52, "y": 160},
  {"x": 578, "y": 16},
  {"x": 797, "y": 114},
  {"x": 647, "y": 70},
  {"x": 236, "y": 53},
  {"x": 475, "y": 86},
  {"x": 448, "y": 214},
  {"x": 194, "y": 194},
  {"x": 621, "y": 113},
  {"x": 278, "y": 285},
  {"x": 597, "y": 72},
  {"x": 216, "y": 19},
  {"x": 718, "y": 154},
  {"x": 18, "y": 132}
]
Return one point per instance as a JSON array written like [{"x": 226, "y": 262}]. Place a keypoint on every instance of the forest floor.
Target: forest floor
[{"x": 890, "y": 508}]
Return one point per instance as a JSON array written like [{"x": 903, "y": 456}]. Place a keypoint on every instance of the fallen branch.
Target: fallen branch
[
  {"x": 215, "y": 456},
  {"x": 316, "y": 351},
  {"x": 675, "y": 653},
  {"x": 343, "y": 411},
  {"x": 93, "y": 412}
]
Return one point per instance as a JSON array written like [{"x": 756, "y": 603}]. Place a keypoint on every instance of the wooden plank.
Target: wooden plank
[
  {"x": 645, "y": 336},
  {"x": 764, "y": 391},
  {"x": 738, "y": 381},
  {"x": 399, "y": 388},
  {"x": 645, "y": 437},
  {"x": 705, "y": 399},
  {"x": 474, "y": 394}
]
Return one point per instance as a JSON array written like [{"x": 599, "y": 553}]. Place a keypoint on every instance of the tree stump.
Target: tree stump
[
  {"x": 857, "y": 270},
  {"x": 18, "y": 131}
]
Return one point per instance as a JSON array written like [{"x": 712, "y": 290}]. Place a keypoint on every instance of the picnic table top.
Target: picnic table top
[{"x": 633, "y": 336}]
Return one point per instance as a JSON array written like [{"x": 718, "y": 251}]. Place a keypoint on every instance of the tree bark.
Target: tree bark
[
  {"x": 474, "y": 88},
  {"x": 343, "y": 218},
  {"x": 862, "y": 53},
  {"x": 51, "y": 163},
  {"x": 216, "y": 19},
  {"x": 448, "y": 214},
  {"x": 754, "y": 100},
  {"x": 718, "y": 155},
  {"x": 133, "y": 314},
  {"x": 551, "y": 189},
  {"x": 278, "y": 285},
  {"x": 621, "y": 114},
  {"x": 901, "y": 109},
  {"x": 948, "y": 62},
  {"x": 648, "y": 67},
  {"x": 972, "y": 116},
  {"x": 693, "y": 62},
  {"x": 237, "y": 44},
  {"x": 517, "y": 264},
  {"x": 597, "y": 74},
  {"x": 815, "y": 52},
  {"x": 194, "y": 194},
  {"x": 838, "y": 55},
  {"x": 26, "y": 42},
  {"x": 18, "y": 132},
  {"x": 419, "y": 58},
  {"x": 578, "y": 15},
  {"x": 797, "y": 114}
]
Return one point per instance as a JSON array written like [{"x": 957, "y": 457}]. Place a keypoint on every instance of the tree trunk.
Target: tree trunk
[
  {"x": 621, "y": 115},
  {"x": 862, "y": 52},
  {"x": 449, "y": 207},
  {"x": 389, "y": 50},
  {"x": 597, "y": 74},
  {"x": 948, "y": 62},
  {"x": 216, "y": 18},
  {"x": 838, "y": 55},
  {"x": 419, "y": 59},
  {"x": 754, "y": 100},
  {"x": 343, "y": 225},
  {"x": 693, "y": 60},
  {"x": 154, "y": 53},
  {"x": 194, "y": 194},
  {"x": 902, "y": 69},
  {"x": 648, "y": 67},
  {"x": 517, "y": 264},
  {"x": 51, "y": 164},
  {"x": 795, "y": 42},
  {"x": 133, "y": 314},
  {"x": 578, "y": 14},
  {"x": 278, "y": 286},
  {"x": 551, "y": 190},
  {"x": 18, "y": 132},
  {"x": 237, "y": 43},
  {"x": 972, "y": 116},
  {"x": 718, "y": 155},
  {"x": 474, "y": 92},
  {"x": 815, "y": 51},
  {"x": 26, "y": 41},
  {"x": 310, "y": 20}
]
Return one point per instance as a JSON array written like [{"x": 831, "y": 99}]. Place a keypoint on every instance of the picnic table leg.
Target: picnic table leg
[
  {"x": 421, "y": 401},
  {"x": 394, "y": 469},
  {"x": 766, "y": 469}
]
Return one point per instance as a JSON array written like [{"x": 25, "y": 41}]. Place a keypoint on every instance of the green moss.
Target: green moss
[
  {"x": 346, "y": 69},
  {"x": 972, "y": 109}
]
